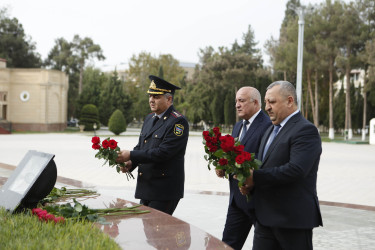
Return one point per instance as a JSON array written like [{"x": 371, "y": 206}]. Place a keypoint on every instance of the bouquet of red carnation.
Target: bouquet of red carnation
[
  {"x": 108, "y": 150},
  {"x": 43, "y": 215},
  {"x": 227, "y": 153}
]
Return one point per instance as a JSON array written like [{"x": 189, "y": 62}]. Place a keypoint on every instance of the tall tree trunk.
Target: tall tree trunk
[
  {"x": 306, "y": 105},
  {"x": 80, "y": 79},
  {"x": 331, "y": 134},
  {"x": 348, "y": 114},
  {"x": 364, "y": 108},
  {"x": 284, "y": 75},
  {"x": 311, "y": 95},
  {"x": 316, "y": 100}
]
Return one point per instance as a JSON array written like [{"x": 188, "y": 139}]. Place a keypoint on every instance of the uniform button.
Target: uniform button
[
  {"x": 145, "y": 141},
  {"x": 156, "y": 136},
  {"x": 162, "y": 174},
  {"x": 140, "y": 174}
]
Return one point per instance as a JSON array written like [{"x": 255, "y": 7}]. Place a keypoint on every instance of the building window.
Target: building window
[{"x": 3, "y": 96}]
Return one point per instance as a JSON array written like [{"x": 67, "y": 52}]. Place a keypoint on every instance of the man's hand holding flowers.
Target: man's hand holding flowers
[
  {"x": 110, "y": 152},
  {"x": 220, "y": 172},
  {"x": 229, "y": 158},
  {"x": 127, "y": 167},
  {"x": 123, "y": 156},
  {"x": 248, "y": 185}
]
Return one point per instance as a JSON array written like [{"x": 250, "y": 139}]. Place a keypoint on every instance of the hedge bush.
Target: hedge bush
[
  {"x": 117, "y": 123},
  {"x": 89, "y": 116}
]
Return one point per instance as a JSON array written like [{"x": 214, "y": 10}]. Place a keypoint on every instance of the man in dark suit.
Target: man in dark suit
[
  {"x": 160, "y": 152},
  {"x": 250, "y": 129},
  {"x": 285, "y": 197}
]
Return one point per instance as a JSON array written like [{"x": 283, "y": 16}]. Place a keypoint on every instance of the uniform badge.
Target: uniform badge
[
  {"x": 180, "y": 239},
  {"x": 178, "y": 129}
]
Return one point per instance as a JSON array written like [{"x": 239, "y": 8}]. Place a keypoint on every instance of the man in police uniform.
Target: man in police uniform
[{"x": 159, "y": 154}]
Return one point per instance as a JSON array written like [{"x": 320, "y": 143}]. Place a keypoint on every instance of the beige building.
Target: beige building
[{"x": 33, "y": 99}]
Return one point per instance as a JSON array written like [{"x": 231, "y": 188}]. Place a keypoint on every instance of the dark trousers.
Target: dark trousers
[
  {"x": 269, "y": 238},
  {"x": 164, "y": 206},
  {"x": 237, "y": 226}
]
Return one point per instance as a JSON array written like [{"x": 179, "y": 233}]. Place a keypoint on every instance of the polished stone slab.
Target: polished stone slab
[{"x": 141, "y": 231}]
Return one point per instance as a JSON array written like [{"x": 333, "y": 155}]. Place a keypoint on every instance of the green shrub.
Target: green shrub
[
  {"x": 117, "y": 122},
  {"x": 24, "y": 231},
  {"x": 89, "y": 116}
]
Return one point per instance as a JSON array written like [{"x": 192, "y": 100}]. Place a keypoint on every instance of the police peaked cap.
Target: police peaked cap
[{"x": 159, "y": 86}]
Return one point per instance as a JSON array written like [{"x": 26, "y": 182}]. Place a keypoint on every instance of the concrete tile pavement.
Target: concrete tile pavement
[{"x": 346, "y": 174}]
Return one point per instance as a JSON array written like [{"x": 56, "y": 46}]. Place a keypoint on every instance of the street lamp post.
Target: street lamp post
[{"x": 301, "y": 22}]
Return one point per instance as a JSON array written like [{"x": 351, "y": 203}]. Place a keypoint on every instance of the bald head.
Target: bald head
[{"x": 248, "y": 102}]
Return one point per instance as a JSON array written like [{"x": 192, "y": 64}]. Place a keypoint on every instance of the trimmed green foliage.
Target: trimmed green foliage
[
  {"x": 89, "y": 116},
  {"x": 24, "y": 231},
  {"x": 117, "y": 122}
]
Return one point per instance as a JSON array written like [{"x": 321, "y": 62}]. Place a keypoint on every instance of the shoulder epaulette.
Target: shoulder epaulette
[{"x": 176, "y": 114}]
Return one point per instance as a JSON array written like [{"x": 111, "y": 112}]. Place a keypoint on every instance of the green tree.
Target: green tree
[
  {"x": 327, "y": 17},
  {"x": 114, "y": 97},
  {"x": 71, "y": 57},
  {"x": 93, "y": 80},
  {"x": 15, "y": 46},
  {"x": 339, "y": 114},
  {"x": 117, "y": 123},
  {"x": 367, "y": 15},
  {"x": 221, "y": 72},
  {"x": 89, "y": 116},
  {"x": 229, "y": 109},
  {"x": 61, "y": 57},
  {"x": 137, "y": 83},
  {"x": 350, "y": 46},
  {"x": 84, "y": 50}
]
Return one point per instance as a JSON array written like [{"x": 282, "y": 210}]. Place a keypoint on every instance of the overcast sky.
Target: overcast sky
[{"x": 123, "y": 28}]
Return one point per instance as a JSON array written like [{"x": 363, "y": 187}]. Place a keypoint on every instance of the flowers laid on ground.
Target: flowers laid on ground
[
  {"x": 227, "y": 153},
  {"x": 65, "y": 193},
  {"x": 108, "y": 150},
  {"x": 82, "y": 212},
  {"x": 75, "y": 210},
  {"x": 43, "y": 215}
]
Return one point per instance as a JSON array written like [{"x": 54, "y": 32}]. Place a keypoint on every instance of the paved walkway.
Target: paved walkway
[{"x": 345, "y": 179}]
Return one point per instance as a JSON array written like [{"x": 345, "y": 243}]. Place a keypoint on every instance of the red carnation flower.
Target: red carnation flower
[
  {"x": 216, "y": 130},
  {"x": 95, "y": 140},
  {"x": 112, "y": 144},
  {"x": 36, "y": 210},
  {"x": 223, "y": 162},
  {"x": 246, "y": 155},
  {"x": 239, "y": 149},
  {"x": 42, "y": 213},
  {"x": 59, "y": 220},
  {"x": 49, "y": 217},
  {"x": 95, "y": 146},
  {"x": 105, "y": 144},
  {"x": 227, "y": 143},
  {"x": 240, "y": 159},
  {"x": 214, "y": 140},
  {"x": 205, "y": 133},
  {"x": 213, "y": 148}
]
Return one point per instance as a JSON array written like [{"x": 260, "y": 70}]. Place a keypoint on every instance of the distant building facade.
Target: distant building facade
[
  {"x": 357, "y": 76},
  {"x": 33, "y": 99}
]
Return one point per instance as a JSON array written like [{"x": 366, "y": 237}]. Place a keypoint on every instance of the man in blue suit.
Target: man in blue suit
[
  {"x": 250, "y": 129},
  {"x": 285, "y": 197}
]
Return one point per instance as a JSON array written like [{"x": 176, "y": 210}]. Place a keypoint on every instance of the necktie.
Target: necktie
[
  {"x": 272, "y": 136},
  {"x": 244, "y": 129},
  {"x": 156, "y": 118}
]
